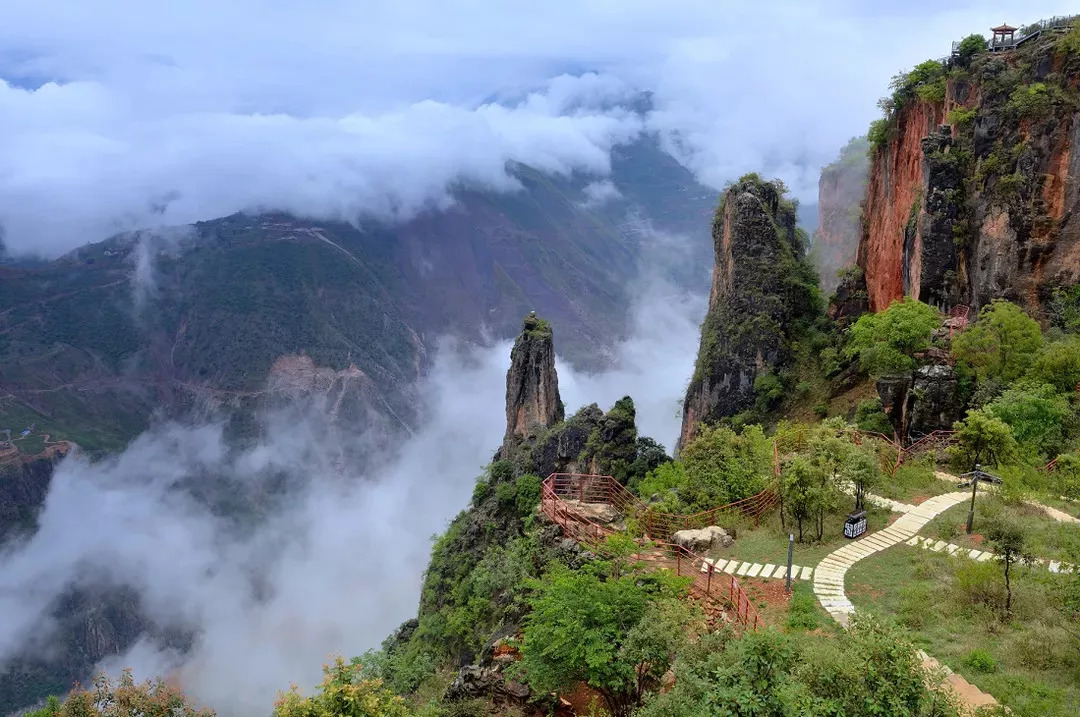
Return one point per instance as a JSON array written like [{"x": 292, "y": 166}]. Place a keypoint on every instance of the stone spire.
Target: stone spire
[{"x": 532, "y": 386}]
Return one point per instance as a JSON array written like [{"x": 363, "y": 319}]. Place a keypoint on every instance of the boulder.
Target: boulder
[{"x": 701, "y": 540}]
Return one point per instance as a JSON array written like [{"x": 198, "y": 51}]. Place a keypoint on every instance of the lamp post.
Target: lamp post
[{"x": 973, "y": 479}]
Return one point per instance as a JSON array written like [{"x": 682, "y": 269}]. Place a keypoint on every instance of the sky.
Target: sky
[{"x": 120, "y": 114}]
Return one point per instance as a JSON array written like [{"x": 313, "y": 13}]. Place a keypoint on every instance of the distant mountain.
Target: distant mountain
[{"x": 244, "y": 309}]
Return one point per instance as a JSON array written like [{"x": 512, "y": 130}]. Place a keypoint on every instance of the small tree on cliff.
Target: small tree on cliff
[
  {"x": 1002, "y": 344},
  {"x": 123, "y": 698},
  {"x": 887, "y": 342}
]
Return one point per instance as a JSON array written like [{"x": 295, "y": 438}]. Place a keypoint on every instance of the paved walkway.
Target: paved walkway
[
  {"x": 757, "y": 570},
  {"x": 830, "y": 572},
  {"x": 937, "y": 546}
]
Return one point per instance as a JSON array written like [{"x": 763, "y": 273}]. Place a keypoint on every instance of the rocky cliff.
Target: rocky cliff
[
  {"x": 532, "y": 384},
  {"x": 840, "y": 193},
  {"x": 974, "y": 183},
  {"x": 761, "y": 287}
]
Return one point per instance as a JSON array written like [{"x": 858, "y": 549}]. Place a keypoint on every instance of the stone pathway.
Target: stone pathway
[
  {"x": 1054, "y": 566},
  {"x": 830, "y": 572},
  {"x": 1058, "y": 515},
  {"x": 757, "y": 570}
]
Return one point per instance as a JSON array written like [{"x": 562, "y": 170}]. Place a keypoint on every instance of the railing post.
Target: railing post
[
  {"x": 708, "y": 584},
  {"x": 678, "y": 562}
]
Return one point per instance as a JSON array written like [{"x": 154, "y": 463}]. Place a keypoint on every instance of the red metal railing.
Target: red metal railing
[
  {"x": 958, "y": 319},
  {"x": 708, "y": 583}
]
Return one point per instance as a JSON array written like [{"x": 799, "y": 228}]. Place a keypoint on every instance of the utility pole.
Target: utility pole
[
  {"x": 790, "y": 548},
  {"x": 974, "y": 477}
]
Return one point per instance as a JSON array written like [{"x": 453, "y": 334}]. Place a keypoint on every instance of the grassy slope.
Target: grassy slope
[{"x": 937, "y": 599}]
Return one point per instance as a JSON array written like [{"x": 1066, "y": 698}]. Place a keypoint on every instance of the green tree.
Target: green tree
[
  {"x": 125, "y": 698},
  {"x": 1058, "y": 364},
  {"x": 1008, "y": 541},
  {"x": 800, "y": 486},
  {"x": 1001, "y": 344},
  {"x": 344, "y": 692},
  {"x": 650, "y": 456},
  {"x": 969, "y": 47},
  {"x": 862, "y": 469},
  {"x": 723, "y": 466},
  {"x": 983, "y": 438},
  {"x": 886, "y": 342},
  {"x": 1038, "y": 416},
  {"x": 618, "y": 635}
]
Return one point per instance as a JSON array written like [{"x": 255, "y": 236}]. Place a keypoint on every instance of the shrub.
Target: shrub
[
  {"x": 1038, "y": 416},
  {"x": 962, "y": 116},
  {"x": 821, "y": 410},
  {"x": 976, "y": 583},
  {"x": 869, "y": 416},
  {"x": 980, "y": 661},
  {"x": 878, "y": 133},
  {"x": 1034, "y": 101},
  {"x": 1058, "y": 364},
  {"x": 724, "y": 466}
]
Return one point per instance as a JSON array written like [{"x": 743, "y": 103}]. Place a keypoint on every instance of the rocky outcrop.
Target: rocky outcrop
[
  {"x": 840, "y": 193},
  {"x": 697, "y": 541},
  {"x": 23, "y": 486},
  {"x": 924, "y": 401},
  {"x": 760, "y": 286},
  {"x": 473, "y": 681},
  {"x": 984, "y": 206},
  {"x": 532, "y": 385}
]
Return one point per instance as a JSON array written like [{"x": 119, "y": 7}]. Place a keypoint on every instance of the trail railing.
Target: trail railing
[{"x": 708, "y": 582}]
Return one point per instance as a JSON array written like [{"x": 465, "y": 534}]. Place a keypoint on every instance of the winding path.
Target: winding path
[{"x": 830, "y": 572}]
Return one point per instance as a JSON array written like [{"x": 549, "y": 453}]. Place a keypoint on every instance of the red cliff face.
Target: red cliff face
[
  {"x": 894, "y": 184},
  {"x": 988, "y": 206}
]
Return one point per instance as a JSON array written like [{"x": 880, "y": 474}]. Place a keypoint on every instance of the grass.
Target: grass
[
  {"x": 952, "y": 608},
  {"x": 768, "y": 541},
  {"x": 1044, "y": 536},
  {"x": 913, "y": 483}
]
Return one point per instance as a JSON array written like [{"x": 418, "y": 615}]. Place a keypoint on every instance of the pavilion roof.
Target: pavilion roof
[{"x": 1003, "y": 28}]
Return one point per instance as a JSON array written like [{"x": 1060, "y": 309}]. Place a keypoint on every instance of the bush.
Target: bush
[
  {"x": 980, "y": 661},
  {"x": 878, "y": 134},
  {"x": 976, "y": 583},
  {"x": 821, "y": 410},
  {"x": 983, "y": 438},
  {"x": 1034, "y": 101},
  {"x": 962, "y": 116},
  {"x": 723, "y": 466},
  {"x": 969, "y": 47},
  {"x": 869, "y": 416}
]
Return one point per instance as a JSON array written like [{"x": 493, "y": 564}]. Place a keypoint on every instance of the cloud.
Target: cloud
[
  {"x": 120, "y": 114},
  {"x": 336, "y": 561},
  {"x": 598, "y": 193}
]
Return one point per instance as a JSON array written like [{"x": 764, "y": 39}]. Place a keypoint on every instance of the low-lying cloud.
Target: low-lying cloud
[
  {"x": 118, "y": 114},
  {"x": 336, "y": 560}
]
